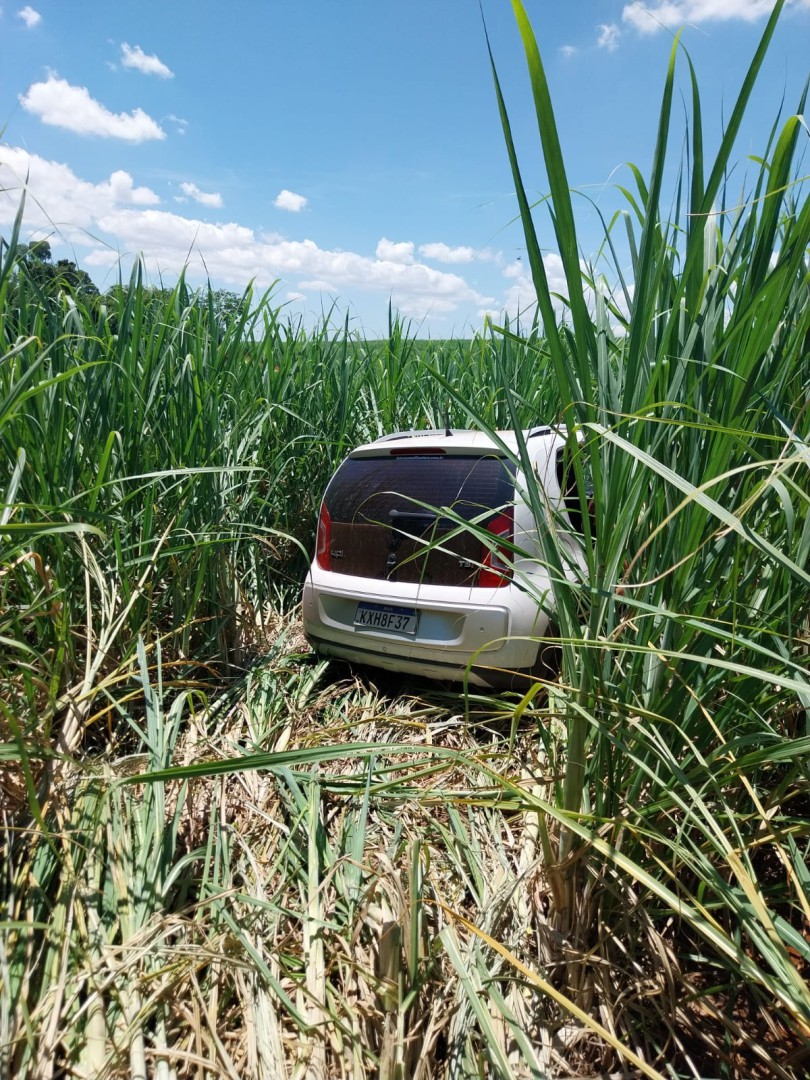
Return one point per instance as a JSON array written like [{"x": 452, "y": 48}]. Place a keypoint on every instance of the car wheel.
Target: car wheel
[{"x": 545, "y": 668}]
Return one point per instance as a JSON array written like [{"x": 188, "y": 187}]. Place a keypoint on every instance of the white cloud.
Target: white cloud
[
  {"x": 30, "y": 17},
  {"x": 288, "y": 200},
  {"x": 521, "y": 299},
  {"x": 212, "y": 198},
  {"x": 121, "y": 190},
  {"x": 121, "y": 217},
  {"x": 389, "y": 251},
  {"x": 608, "y": 37},
  {"x": 568, "y": 51},
  {"x": 133, "y": 56},
  {"x": 672, "y": 14},
  {"x": 179, "y": 123},
  {"x": 515, "y": 270},
  {"x": 235, "y": 254},
  {"x": 58, "y": 198},
  {"x": 445, "y": 254},
  {"x": 58, "y": 103}
]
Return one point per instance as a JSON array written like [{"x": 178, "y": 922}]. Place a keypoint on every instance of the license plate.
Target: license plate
[{"x": 397, "y": 620}]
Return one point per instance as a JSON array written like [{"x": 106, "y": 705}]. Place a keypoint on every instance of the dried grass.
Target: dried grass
[{"x": 328, "y": 932}]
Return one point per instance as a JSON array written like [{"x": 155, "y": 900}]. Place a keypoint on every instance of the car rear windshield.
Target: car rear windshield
[{"x": 375, "y": 490}]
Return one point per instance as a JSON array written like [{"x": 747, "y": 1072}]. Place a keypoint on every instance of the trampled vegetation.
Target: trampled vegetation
[{"x": 222, "y": 857}]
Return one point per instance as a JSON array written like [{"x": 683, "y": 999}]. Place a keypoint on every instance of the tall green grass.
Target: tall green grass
[
  {"x": 683, "y": 771},
  {"x": 216, "y": 860}
]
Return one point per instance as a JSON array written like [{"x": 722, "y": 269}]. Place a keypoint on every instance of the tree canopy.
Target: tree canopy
[{"x": 36, "y": 261}]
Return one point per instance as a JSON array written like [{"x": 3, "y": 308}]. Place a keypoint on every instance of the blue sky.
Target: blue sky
[{"x": 350, "y": 153}]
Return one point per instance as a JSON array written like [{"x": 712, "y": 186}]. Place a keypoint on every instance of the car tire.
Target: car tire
[{"x": 546, "y": 668}]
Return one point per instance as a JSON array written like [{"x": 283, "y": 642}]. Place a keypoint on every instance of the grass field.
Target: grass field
[{"x": 223, "y": 857}]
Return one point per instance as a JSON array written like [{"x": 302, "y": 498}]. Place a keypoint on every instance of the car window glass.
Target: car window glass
[{"x": 372, "y": 488}]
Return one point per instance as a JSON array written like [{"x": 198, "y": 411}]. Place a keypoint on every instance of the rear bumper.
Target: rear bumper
[
  {"x": 433, "y": 669},
  {"x": 460, "y": 635}
]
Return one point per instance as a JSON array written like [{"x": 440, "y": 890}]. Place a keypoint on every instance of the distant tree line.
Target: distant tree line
[{"x": 36, "y": 262}]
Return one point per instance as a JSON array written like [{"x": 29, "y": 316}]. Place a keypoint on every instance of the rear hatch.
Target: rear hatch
[{"x": 392, "y": 513}]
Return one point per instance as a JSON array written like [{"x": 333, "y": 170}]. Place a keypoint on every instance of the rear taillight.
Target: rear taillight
[
  {"x": 323, "y": 553},
  {"x": 495, "y": 570}
]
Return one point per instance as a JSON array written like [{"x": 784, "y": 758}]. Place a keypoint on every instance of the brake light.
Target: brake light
[
  {"x": 417, "y": 451},
  {"x": 495, "y": 571},
  {"x": 323, "y": 553}
]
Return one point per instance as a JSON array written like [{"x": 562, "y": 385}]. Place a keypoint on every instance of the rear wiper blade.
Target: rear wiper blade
[{"x": 412, "y": 515}]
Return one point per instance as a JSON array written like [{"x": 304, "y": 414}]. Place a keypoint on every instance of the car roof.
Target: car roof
[{"x": 455, "y": 440}]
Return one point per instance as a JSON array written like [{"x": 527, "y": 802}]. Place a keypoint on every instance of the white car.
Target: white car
[{"x": 428, "y": 558}]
